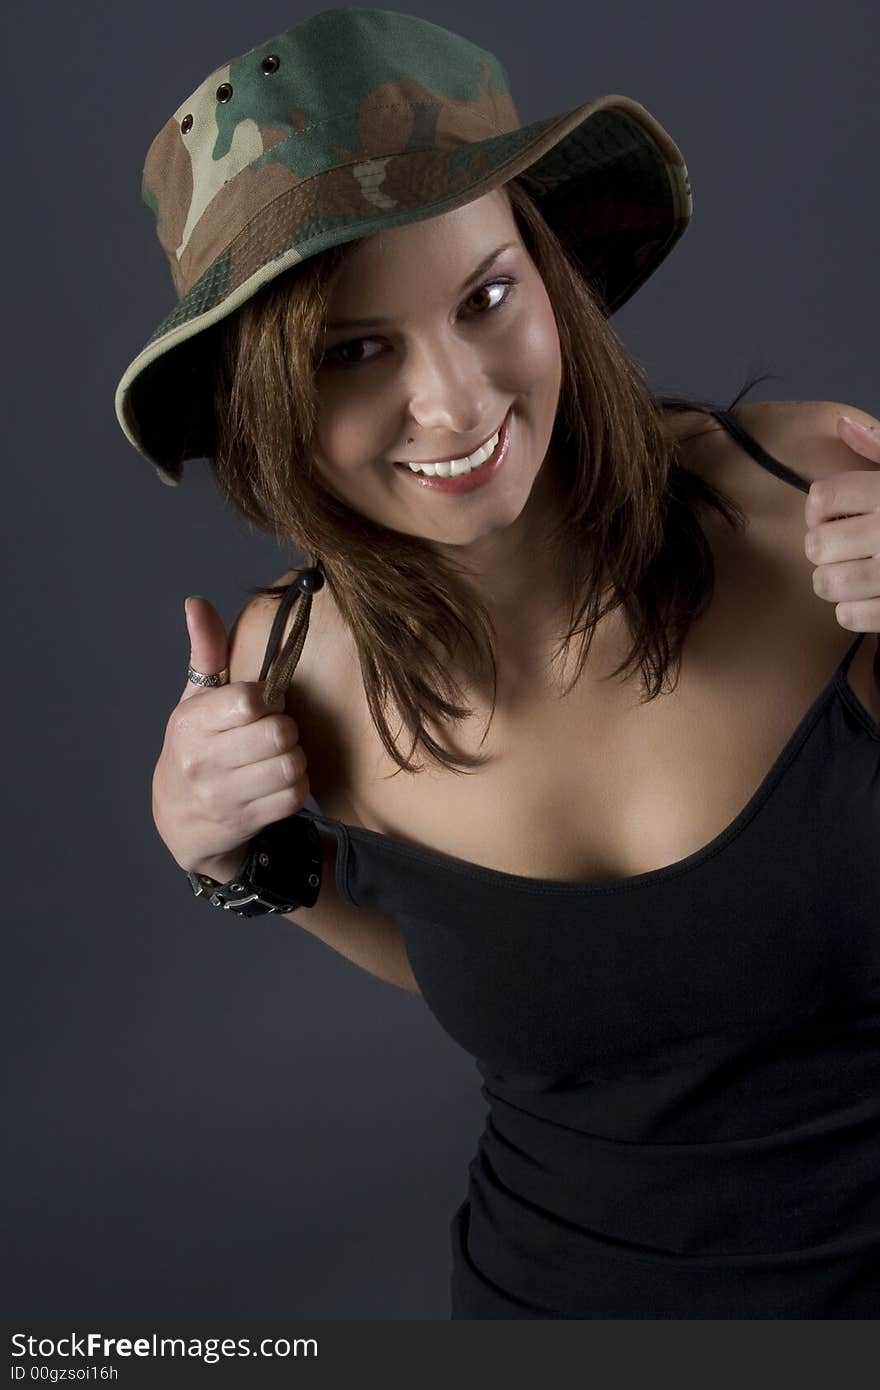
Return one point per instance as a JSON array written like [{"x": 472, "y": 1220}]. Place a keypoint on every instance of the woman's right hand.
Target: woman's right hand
[{"x": 230, "y": 764}]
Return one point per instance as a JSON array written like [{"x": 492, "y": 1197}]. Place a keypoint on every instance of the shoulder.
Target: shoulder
[
  {"x": 800, "y": 434},
  {"x": 325, "y": 664},
  {"x": 803, "y": 435},
  {"x": 249, "y": 635}
]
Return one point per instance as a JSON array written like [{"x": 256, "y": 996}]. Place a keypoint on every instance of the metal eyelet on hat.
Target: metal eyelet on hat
[{"x": 249, "y": 243}]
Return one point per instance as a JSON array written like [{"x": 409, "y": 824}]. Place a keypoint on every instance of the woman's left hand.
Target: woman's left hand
[{"x": 845, "y": 550}]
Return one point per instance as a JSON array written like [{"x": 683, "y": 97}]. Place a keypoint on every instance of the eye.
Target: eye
[
  {"x": 334, "y": 356},
  {"x": 506, "y": 284}
]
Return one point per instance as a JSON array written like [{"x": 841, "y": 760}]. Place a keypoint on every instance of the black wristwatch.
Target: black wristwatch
[{"x": 282, "y": 872}]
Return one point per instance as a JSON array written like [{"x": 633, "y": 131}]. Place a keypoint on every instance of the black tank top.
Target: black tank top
[{"x": 681, "y": 1068}]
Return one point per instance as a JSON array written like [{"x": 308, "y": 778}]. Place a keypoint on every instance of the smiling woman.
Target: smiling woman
[
  {"x": 586, "y": 478},
  {"x": 652, "y": 922}
]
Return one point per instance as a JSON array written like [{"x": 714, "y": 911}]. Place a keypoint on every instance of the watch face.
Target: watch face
[
  {"x": 293, "y": 853},
  {"x": 288, "y": 877}
]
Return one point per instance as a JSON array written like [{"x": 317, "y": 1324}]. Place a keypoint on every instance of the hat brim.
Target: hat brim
[{"x": 608, "y": 178}]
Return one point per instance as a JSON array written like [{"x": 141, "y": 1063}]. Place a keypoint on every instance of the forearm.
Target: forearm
[{"x": 369, "y": 939}]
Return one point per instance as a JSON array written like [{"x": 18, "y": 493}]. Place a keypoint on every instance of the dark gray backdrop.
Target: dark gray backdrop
[{"x": 211, "y": 1119}]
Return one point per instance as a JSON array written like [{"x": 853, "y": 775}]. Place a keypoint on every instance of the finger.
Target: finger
[
  {"x": 208, "y": 643},
  {"x": 256, "y": 780},
  {"x": 843, "y": 494},
  {"x": 848, "y": 538},
  {"x": 248, "y": 734},
  {"x": 861, "y": 615},
  {"x": 861, "y": 435}
]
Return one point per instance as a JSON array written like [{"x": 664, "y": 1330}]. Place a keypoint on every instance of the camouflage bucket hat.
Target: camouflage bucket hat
[{"x": 351, "y": 122}]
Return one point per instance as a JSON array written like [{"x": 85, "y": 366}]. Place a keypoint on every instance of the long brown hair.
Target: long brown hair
[{"x": 630, "y": 533}]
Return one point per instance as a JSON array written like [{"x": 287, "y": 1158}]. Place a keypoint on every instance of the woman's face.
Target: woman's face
[{"x": 442, "y": 357}]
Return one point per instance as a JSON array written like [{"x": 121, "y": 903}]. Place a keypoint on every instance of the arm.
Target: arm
[{"x": 370, "y": 939}]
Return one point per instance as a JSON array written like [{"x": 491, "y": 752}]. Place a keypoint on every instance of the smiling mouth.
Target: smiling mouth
[{"x": 454, "y": 467}]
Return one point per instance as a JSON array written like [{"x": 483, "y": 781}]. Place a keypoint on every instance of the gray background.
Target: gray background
[{"x": 211, "y": 1119}]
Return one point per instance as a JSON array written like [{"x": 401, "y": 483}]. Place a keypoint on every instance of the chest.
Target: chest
[{"x": 597, "y": 784}]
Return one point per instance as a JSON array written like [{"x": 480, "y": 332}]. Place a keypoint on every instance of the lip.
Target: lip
[
  {"x": 443, "y": 457},
  {"x": 477, "y": 477}
]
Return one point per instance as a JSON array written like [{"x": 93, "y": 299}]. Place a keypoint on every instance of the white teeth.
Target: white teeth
[{"x": 453, "y": 467}]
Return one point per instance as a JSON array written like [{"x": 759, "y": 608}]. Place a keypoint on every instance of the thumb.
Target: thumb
[{"x": 208, "y": 643}]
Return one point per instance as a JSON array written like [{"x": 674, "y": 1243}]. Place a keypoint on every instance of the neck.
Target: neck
[{"x": 512, "y": 571}]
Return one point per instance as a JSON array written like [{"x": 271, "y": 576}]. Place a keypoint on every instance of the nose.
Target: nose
[{"x": 446, "y": 393}]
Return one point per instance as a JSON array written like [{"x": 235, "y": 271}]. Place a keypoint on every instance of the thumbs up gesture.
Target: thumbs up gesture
[{"x": 230, "y": 764}]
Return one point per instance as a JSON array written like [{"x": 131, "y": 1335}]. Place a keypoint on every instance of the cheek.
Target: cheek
[
  {"x": 343, "y": 434},
  {"x": 537, "y": 349}
]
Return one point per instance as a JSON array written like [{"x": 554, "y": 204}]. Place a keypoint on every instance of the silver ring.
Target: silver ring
[{"x": 199, "y": 678}]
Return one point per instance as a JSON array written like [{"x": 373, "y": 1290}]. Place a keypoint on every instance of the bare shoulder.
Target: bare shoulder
[
  {"x": 249, "y": 635},
  {"x": 803, "y": 435},
  {"x": 800, "y": 434}
]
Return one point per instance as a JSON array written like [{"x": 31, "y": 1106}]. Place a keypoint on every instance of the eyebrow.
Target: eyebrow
[{"x": 481, "y": 269}]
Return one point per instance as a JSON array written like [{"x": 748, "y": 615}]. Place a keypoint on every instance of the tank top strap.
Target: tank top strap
[
  {"x": 287, "y": 598},
  {"x": 747, "y": 441},
  {"x": 846, "y": 660}
]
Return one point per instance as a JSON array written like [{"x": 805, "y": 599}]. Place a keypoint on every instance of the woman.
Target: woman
[{"x": 644, "y": 905}]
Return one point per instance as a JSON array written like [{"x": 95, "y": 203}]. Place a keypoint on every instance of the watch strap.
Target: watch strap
[{"x": 282, "y": 872}]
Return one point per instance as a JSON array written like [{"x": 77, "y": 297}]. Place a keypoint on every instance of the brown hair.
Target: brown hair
[{"x": 630, "y": 529}]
